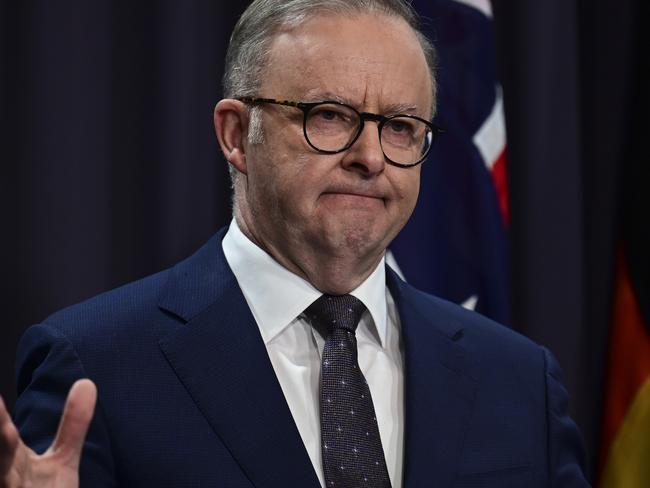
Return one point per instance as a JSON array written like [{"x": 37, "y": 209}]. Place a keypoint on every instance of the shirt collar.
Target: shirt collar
[{"x": 276, "y": 296}]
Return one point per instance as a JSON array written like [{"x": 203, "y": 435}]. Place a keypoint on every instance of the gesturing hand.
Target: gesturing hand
[{"x": 59, "y": 465}]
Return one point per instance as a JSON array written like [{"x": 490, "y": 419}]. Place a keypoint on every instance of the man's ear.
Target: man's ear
[{"x": 230, "y": 124}]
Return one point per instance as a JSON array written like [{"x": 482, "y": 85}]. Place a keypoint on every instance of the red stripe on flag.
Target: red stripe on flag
[{"x": 500, "y": 178}]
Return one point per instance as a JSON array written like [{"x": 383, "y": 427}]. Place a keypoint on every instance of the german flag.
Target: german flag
[{"x": 625, "y": 452}]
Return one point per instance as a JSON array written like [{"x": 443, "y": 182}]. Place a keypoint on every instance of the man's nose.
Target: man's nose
[{"x": 366, "y": 156}]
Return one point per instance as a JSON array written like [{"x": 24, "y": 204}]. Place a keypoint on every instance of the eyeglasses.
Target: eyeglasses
[{"x": 332, "y": 127}]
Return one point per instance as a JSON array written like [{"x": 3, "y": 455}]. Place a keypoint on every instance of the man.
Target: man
[{"x": 285, "y": 352}]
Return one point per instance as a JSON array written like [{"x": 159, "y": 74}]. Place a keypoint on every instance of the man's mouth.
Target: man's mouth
[
  {"x": 354, "y": 198},
  {"x": 355, "y": 192}
]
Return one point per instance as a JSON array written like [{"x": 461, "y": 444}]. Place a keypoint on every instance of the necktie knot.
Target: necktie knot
[{"x": 331, "y": 312}]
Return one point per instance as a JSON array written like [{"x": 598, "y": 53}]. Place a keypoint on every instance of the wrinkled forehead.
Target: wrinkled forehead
[{"x": 367, "y": 60}]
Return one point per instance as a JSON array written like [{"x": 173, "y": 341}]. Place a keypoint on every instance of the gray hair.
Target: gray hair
[{"x": 251, "y": 39}]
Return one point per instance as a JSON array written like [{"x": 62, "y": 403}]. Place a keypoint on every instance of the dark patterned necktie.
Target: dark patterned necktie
[{"x": 350, "y": 443}]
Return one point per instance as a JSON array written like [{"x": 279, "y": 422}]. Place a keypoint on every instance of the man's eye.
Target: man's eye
[
  {"x": 399, "y": 126},
  {"x": 329, "y": 115}
]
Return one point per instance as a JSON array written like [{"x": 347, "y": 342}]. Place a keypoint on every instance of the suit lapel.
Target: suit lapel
[
  {"x": 221, "y": 359},
  {"x": 440, "y": 384}
]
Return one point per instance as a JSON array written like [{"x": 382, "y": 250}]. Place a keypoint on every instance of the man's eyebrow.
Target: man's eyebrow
[
  {"x": 400, "y": 108},
  {"x": 393, "y": 108},
  {"x": 390, "y": 109},
  {"x": 330, "y": 96}
]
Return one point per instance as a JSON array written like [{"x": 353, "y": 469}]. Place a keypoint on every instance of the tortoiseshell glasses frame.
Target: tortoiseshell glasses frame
[{"x": 408, "y": 138}]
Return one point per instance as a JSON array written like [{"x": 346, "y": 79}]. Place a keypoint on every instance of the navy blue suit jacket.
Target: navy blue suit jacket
[{"x": 188, "y": 396}]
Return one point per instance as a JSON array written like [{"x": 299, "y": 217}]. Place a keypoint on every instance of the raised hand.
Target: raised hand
[{"x": 59, "y": 465}]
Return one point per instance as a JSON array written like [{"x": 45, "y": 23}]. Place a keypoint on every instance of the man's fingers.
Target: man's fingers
[
  {"x": 77, "y": 414},
  {"x": 9, "y": 440}
]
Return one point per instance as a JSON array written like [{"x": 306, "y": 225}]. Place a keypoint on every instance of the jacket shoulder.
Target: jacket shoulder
[
  {"x": 122, "y": 306},
  {"x": 482, "y": 337}
]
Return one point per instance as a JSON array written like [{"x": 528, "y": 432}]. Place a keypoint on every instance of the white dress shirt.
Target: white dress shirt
[{"x": 277, "y": 298}]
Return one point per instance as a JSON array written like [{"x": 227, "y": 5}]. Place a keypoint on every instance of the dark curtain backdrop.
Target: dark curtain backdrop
[
  {"x": 110, "y": 169},
  {"x": 573, "y": 103}
]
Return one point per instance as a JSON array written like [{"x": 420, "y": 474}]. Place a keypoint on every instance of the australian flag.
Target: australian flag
[{"x": 455, "y": 244}]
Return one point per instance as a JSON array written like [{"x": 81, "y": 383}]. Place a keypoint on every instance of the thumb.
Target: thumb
[
  {"x": 9, "y": 440},
  {"x": 77, "y": 414}
]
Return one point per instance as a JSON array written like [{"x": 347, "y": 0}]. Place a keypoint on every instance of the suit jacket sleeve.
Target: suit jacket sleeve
[
  {"x": 47, "y": 365},
  {"x": 565, "y": 450}
]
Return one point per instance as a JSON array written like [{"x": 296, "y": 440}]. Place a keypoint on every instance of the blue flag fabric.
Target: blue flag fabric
[{"x": 455, "y": 244}]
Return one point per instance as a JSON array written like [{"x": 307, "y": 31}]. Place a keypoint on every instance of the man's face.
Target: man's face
[{"x": 347, "y": 205}]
